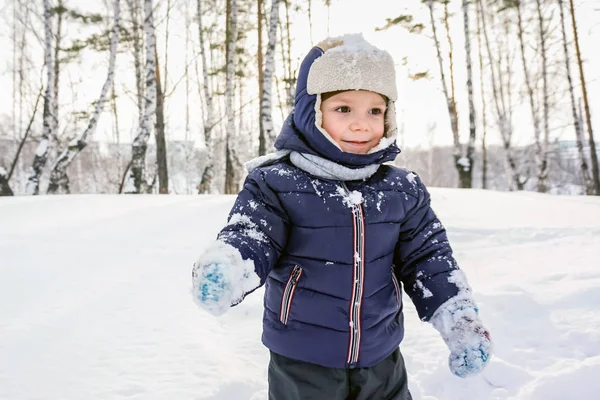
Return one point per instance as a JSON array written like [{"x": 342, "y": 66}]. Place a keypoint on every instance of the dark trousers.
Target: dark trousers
[{"x": 296, "y": 380}]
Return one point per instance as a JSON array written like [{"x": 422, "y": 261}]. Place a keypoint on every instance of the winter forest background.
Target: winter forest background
[{"x": 173, "y": 96}]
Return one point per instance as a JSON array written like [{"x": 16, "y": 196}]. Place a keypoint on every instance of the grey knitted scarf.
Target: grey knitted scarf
[{"x": 315, "y": 165}]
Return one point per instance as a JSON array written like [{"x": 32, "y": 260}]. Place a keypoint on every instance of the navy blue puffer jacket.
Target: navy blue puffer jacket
[{"x": 333, "y": 255}]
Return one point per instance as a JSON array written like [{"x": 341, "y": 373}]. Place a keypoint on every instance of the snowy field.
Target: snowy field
[{"x": 95, "y": 303}]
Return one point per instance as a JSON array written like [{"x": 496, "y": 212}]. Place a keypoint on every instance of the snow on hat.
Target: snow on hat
[{"x": 351, "y": 63}]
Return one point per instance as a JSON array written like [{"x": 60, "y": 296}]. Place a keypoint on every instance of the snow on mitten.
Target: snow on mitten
[
  {"x": 220, "y": 278},
  {"x": 469, "y": 341}
]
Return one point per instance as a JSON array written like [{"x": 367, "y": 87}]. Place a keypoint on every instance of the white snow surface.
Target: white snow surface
[{"x": 95, "y": 300}]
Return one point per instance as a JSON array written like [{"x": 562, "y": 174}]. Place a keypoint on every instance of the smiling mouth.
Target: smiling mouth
[{"x": 356, "y": 142}]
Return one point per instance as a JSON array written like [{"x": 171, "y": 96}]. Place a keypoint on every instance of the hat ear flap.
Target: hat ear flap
[{"x": 390, "y": 124}]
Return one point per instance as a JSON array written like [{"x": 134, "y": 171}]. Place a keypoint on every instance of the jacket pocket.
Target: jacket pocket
[
  {"x": 288, "y": 294},
  {"x": 397, "y": 289}
]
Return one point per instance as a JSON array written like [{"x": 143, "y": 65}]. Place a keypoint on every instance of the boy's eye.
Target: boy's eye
[
  {"x": 343, "y": 109},
  {"x": 376, "y": 111}
]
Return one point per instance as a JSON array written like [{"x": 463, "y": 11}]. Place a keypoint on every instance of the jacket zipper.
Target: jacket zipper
[
  {"x": 288, "y": 294},
  {"x": 397, "y": 288},
  {"x": 358, "y": 281}
]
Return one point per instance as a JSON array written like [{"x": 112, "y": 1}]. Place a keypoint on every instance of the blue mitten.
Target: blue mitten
[
  {"x": 469, "y": 341},
  {"x": 221, "y": 278},
  {"x": 210, "y": 284}
]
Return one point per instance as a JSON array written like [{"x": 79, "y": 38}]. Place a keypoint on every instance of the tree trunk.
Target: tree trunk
[
  {"x": 59, "y": 25},
  {"x": 208, "y": 123},
  {"x": 41, "y": 155},
  {"x": 161, "y": 143},
  {"x": 484, "y": 167},
  {"x": 542, "y": 148},
  {"x": 267, "y": 87},
  {"x": 167, "y": 30},
  {"x": 136, "y": 179},
  {"x": 279, "y": 98},
  {"x": 503, "y": 113},
  {"x": 451, "y": 65},
  {"x": 188, "y": 150},
  {"x": 15, "y": 50},
  {"x": 450, "y": 103},
  {"x": 528, "y": 82},
  {"x": 282, "y": 104},
  {"x": 5, "y": 189},
  {"x": 290, "y": 81},
  {"x": 515, "y": 177},
  {"x": 230, "y": 40},
  {"x": 22, "y": 58},
  {"x": 59, "y": 181},
  {"x": 25, "y": 136},
  {"x": 117, "y": 134},
  {"x": 585, "y": 171},
  {"x": 134, "y": 12},
  {"x": 261, "y": 74},
  {"x": 465, "y": 164},
  {"x": 588, "y": 117}
]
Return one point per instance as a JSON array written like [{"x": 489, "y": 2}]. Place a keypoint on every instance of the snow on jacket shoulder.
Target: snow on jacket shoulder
[{"x": 332, "y": 255}]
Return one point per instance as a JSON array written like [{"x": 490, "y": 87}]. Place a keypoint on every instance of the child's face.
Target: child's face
[{"x": 354, "y": 119}]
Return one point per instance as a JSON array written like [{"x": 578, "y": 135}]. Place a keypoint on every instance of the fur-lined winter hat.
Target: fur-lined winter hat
[
  {"x": 340, "y": 64},
  {"x": 351, "y": 63}
]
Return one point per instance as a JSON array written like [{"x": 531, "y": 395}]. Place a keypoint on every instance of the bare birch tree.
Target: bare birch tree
[
  {"x": 21, "y": 62},
  {"x": 585, "y": 171},
  {"x": 450, "y": 102},
  {"x": 501, "y": 82},
  {"x": 24, "y": 17},
  {"x": 230, "y": 41},
  {"x": 136, "y": 176},
  {"x": 541, "y": 144},
  {"x": 15, "y": 77},
  {"x": 5, "y": 189},
  {"x": 451, "y": 69},
  {"x": 266, "y": 135},
  {"x": 588, "y": 117},
  {"x": 161, "y": 143},
  {"x": 209, "y": 117},
  {"x": 484, "y": 158},
  {"x": 59, "y": 10},
  {"x": 290, "y": 76},
  {"x": 41, "y": 154},
  {"x": 137, "y": 39},
  {"x": 25, "y": 136},
  {"x": 59, "y": 181},
  {"x": 260, "y": 67},
  {"x": 464, "y": 164},
  {"x": 535, "y": 117}
]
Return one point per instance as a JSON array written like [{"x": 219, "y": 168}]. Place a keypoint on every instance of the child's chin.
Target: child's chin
[{"x": 356, "y": 151}]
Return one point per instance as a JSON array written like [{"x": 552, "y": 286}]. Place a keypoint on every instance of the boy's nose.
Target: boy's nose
[{"x": 359, "y": 125}]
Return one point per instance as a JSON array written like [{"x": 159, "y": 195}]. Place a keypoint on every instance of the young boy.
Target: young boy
[{"x": 332, "y": 231}]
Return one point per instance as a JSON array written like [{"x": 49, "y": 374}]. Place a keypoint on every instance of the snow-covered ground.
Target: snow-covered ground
[{"x": 95, "y": 303}]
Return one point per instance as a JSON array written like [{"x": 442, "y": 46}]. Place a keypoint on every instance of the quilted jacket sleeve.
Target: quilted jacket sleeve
[
  {"x": 257, "y": 225},
  {"x": 423, "y": 256}
]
